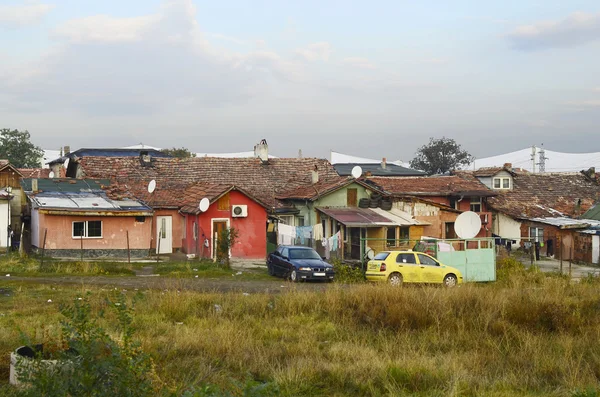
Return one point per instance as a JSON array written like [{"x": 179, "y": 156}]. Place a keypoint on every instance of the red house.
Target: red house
[{"x": 230, "y": 207}]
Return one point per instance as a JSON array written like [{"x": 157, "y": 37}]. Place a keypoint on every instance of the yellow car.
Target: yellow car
[{"x": 397, "y": 267}]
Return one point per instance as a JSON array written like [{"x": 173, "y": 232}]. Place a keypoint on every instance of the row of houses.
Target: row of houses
[{"x": 115, "y": 202}]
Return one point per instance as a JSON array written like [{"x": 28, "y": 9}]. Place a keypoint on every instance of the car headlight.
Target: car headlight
[{"x": 305, "y": 269}]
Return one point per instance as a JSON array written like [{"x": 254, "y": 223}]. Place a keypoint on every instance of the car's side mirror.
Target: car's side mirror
[{"x": 323, "y": 258}]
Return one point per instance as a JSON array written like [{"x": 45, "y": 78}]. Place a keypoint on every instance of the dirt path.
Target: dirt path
[{"x": 194, "y": 284}]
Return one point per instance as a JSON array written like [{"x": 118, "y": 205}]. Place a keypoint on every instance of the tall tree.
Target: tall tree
[
  {"x": 440, "y": 156},
  {"x": 16, "y": 147},
  {"x": 181, "y": 153}
]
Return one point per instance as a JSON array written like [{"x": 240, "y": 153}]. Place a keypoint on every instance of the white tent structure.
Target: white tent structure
[{"x": 537, "y": 159}]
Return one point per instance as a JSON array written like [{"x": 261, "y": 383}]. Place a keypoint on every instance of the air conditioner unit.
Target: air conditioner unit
[{"x": 239, "y": 211}]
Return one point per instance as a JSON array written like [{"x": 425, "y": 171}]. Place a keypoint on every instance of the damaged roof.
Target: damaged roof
[
  {"x": 547, "y": 195},
  {"x": 85, "y": 202},
  {"x": 431, "y": 186},
  {"x": 262, "y": 181},
  {"x": 107, "y": 152}
]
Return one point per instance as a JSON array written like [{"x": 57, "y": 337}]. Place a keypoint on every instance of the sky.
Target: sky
[{"x": 372, "y": 79}]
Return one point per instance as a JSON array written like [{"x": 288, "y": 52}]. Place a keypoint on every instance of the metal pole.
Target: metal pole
[
  {"x": 43, "y": 248},
  {"x": 158, "y": 245},
  {"x": 21, "y": 249},
  {"x": 128, "y": 251},
  {"x": 570, "y": 260}
]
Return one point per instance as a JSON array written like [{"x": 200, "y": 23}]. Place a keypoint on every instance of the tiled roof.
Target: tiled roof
[
  {"x": 431, "y": 186},
  {"x": 313, "y": 191},
  {"x": 489, "y": 171},
  {"x": 197, "y": 191},
  {"x": 547, "y": 195},
  {"x": 39, "y": 172},
  {"x": 264, "y": 182}
]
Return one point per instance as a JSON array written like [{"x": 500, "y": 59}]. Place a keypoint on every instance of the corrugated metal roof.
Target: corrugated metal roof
[
  {"x": 400, "y": 217},
  {"x": 592, "y": 213},
  {"x": 358, "y": 217},
  {"x": 563, "y": 222},
  {"x": 377, "y": 170},
  {"x": 72, "y": 201},
  {"x": 65, "y": 184}
]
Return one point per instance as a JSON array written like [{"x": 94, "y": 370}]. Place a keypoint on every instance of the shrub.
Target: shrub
[
  {"x": 227, "y": 239},
  {"x": 101, "y": 366},
  {"x": 347, "y": 273}
]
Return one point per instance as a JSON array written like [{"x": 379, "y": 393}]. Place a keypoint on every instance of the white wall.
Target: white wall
[
  {"x": 506, "y": 227},
  {"x": 596, "y": 250},
  {"x": 4, "y": 222},
  {"x": 35, "y": 228}
]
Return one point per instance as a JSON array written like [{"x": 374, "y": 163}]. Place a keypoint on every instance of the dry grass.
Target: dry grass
[{"x": 506, "y": 339}]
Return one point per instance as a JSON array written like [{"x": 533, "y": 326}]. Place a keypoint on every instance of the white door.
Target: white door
[
  {"x": 164, "y": 234},
  {"x": 596, "y": 250}
]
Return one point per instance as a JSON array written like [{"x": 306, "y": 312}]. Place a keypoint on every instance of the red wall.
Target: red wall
[{"x": 252, "y": 230}]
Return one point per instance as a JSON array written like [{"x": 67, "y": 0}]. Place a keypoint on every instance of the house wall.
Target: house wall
[
  {"x": 252, "y": 230},
  {"x": 563, "y": 240},
  {"x": 4, "y": 216},
  {"x": 378, "y": 233},
  {"x": 178, "y": 222},
  {"x": 334, "y": 199},
  {"x": 428, "y": 213},
  {"x": 582, "y": 251},
  {"x": 507, "y": 227},
  {"x": 113, "y": 243}
]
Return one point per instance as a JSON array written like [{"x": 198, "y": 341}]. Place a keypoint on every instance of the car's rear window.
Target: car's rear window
[{"x": 381, "y": 256}]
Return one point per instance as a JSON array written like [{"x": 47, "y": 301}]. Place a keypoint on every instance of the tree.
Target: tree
[
  {"x": 227, "y": 239},
  {"x": 180, "y": 153},
  {"x": 440, "y": 156},
  {"x": 16, "y": 147}
]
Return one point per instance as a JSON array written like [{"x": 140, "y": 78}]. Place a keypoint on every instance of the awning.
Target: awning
[
  {"x": 359, "y": 217},
  {"x": 400, "y": 217}
]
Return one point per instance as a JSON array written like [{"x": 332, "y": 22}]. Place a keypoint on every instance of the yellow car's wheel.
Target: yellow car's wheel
[
  {"x": 450, "y": 280},
  {"x": 395, "y": 279}
]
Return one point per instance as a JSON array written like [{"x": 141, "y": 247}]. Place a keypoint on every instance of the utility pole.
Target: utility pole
[
  {"x": 533, "y": 153},
  {"x": 543, "y": 159}
]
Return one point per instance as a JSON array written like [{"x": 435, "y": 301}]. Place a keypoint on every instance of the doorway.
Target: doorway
[
  {"x": 218, "y": 225},
  {"x": 164, "y": 235}
]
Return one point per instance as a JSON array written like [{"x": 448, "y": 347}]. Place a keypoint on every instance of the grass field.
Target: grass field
[{"x": 529, "y": 334}]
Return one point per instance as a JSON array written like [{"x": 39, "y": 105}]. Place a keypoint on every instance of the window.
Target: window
[
  {"x": 426, "y": 260},
  {"x": 284, "y": 252},
  {"x": 163, "y": 228},
  {"x": 404, "y": 233},
  {"x": 381, "y": 256},
  {"x": 87, "y": 229},
  {"x": 300, "y": 221},
  {"x": 351, "y": 197},
  {"x": 454, "y": 203},
  {"x": 391, "y": 236},
  {"x": 406, "y": 258},
  {"x": 140, "y": 219},
  {"x": 287, "y": 219},
  {"x": 476, "y": 204},
  {"x": 223, "y": 203},
  {"x": 501, "y": 183},
  {"x": 536, "y": 233}
]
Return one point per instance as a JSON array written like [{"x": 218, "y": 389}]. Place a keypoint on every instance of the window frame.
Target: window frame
[
  {"x": 85, "y": 230},
  {"x": 501, "y": 180},
  {"x": 478, "y": 202}
]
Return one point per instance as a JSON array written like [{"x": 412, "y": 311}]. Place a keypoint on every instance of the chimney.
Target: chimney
[
  {"x": 592, "y": 172},
  {"x": 508, "y": 165},
  {"x": 67, "y": 150},
  {"x": 34, "y": 185},
  {"x": 145, "y": 158},
  {"x": 315, "y": 175},
  {"x": 383, "y": 163},
  {"x": 299, "y": 153},
  {"x": 262, "y": 151}
]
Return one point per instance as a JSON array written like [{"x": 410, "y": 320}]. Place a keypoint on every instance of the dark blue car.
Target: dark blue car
[{"x": 298, "y": 264}]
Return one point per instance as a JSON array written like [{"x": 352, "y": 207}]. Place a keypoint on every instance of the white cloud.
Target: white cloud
[
  {"x": 103, "y": 28},
  {"x": 315, "y": 52},
  {"x": 362, "y": 63},
  {"x": 576, "y": 29},
  {"x": 219, "y": 36},
  {"x": 13, "y": 16}
]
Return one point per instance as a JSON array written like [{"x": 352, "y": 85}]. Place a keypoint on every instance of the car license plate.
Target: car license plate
[{"x": 319, "y": 274}]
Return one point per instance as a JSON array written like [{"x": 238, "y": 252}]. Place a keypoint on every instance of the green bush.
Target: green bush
[
  {"x": 346, "y": 273},
  {"x": 89, "y": 361}
]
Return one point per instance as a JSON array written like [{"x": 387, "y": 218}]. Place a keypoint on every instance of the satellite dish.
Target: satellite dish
[
  {"x": 51, "y": 174},
  {"x": 370, "y": 253},
  {"x": 467, "y": 225},
  {"x": 151, "y": 186},
  {"x": 356, "y": 172},
  {"x": 66, "y": 163},
  {"x": 204, "y": 204}
]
